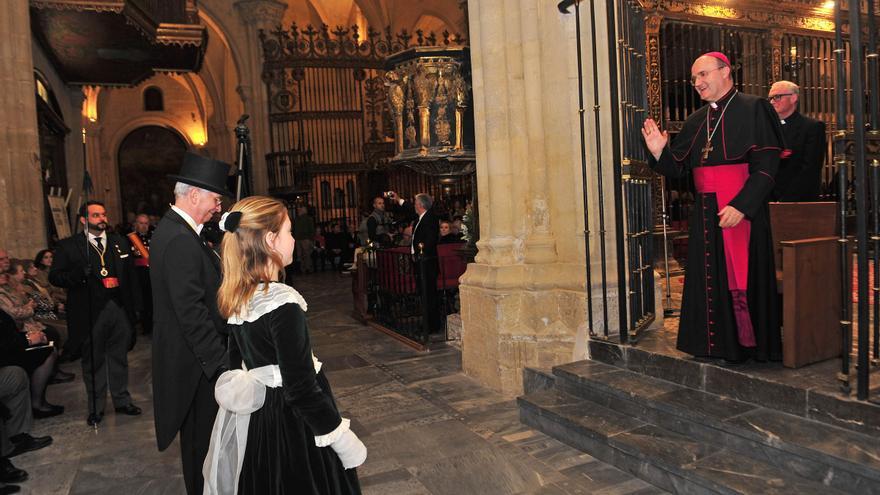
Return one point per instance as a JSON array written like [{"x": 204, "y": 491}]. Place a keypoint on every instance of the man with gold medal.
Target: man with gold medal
[
  {"x": 732, "y": 148},
  {"x": 102, "y": 296}
]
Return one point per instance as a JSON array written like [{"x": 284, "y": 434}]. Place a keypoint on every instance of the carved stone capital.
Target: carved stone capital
[{"x": 261, "y": 13}]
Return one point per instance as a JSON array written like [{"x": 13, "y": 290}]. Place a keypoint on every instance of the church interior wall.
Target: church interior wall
[
  {"x": 70, "y": 102},
  {"x": 523, "y": 302}
]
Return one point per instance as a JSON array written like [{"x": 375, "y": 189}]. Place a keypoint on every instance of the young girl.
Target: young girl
[{"x": 276, "y": 406}]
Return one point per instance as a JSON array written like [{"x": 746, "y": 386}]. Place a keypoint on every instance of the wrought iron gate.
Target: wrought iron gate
[
  {"x": 328, "y": 117},
  {"x": 631, "y": 188}
]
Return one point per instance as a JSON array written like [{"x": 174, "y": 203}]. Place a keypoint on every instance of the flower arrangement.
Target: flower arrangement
[{"x": 468, "y": 226}]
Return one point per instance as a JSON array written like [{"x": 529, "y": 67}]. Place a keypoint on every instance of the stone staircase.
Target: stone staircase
[{"x": 704, "y": 428}]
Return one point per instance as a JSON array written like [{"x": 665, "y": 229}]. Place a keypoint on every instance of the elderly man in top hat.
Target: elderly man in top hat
[
  {"x": 189, "y": 336},
  {"x": 732, "y": 146}
]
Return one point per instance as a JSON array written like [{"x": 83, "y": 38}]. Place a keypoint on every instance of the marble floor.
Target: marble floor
[
  {"x": 429, "y": 428},
  {"x": 822, "y": 375}
]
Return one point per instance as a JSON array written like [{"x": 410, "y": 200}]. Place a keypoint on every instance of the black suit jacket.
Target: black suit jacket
[
  {"x": 189, "y": 336},
  {"x": 426, "y": 231},
  {"x": 800, "y": 175},
  {"x": 85, "y": 295}
]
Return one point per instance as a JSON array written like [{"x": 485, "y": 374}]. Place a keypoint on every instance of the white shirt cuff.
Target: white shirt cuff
[{"x": 326, "y": 440}]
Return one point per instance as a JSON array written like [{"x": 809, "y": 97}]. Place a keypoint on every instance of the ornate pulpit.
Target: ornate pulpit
[{"x": 429, "y": 97}]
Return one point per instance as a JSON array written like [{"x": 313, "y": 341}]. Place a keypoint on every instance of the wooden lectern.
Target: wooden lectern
[{"x": 808, "y": 276}]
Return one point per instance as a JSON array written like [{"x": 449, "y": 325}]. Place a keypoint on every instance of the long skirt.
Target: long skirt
[{"x": 281, "y": 456}]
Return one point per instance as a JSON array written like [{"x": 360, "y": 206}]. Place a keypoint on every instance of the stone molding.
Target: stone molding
[{"x": 261, "y": 13}]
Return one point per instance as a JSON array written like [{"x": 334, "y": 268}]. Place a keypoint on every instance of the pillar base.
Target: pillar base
[{"x": 522, "y": 315}]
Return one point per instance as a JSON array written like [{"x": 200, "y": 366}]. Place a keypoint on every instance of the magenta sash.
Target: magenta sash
[{"x": 726, "y": 181}]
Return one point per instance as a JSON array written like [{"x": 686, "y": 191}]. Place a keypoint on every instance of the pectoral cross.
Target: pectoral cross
[{"x": 706, "y": 150}]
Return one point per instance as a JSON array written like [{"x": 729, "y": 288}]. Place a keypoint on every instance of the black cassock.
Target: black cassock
[
  {"x": 800, "y": 175},
  {"x": 748, "y": 133}
]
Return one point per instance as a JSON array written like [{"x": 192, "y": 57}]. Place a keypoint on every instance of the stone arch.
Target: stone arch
[
  {"x": 432, "y": 23},
  {"x": 144, "y": 158},
  {"x": 110, "y": 155},
  {"x": 219, "y": 25}
]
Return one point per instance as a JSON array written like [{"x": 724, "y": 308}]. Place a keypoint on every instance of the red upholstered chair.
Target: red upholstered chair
[{"x": 452, "y": 265}]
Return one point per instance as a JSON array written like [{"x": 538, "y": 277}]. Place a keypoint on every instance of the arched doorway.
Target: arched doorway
[{"x": 146, "y": 156}]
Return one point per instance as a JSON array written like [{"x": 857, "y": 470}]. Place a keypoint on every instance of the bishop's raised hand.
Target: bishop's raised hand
[{"x": 655, "y": 139}]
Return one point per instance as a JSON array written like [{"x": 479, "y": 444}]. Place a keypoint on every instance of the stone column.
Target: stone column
[
  {"x": 540, "y": 245},
  {"x": 524, "y": 299},
  {"x": 22, "y": 225},
  {"x": 256, "y": 15}
]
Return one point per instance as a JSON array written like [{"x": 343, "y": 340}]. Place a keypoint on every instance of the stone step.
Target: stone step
[
  {"x": 535, "y": 379},
  {"x": 666, "y": 459},
  {"x": 823, "y": 453},
  {"x": 803, "y": 392}
]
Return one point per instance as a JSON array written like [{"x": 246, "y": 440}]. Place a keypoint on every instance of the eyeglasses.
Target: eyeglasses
[
  {"x": 703, "y": 73},
  {"x": 778, "y": 97}
]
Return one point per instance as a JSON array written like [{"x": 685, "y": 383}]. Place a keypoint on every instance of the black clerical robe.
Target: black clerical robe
[
  {"x": 800, "y": 174},
  {"x": 746, "y": 131}
]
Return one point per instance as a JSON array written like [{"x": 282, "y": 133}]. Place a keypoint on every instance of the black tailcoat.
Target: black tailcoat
[
  {"x": 189, "y": 336},
  {"x": 800, "y": 175},
  {"x": 748, "y": 133},
  {"x": 427, "y": 233},
  {"x": 69, "y": 271}
]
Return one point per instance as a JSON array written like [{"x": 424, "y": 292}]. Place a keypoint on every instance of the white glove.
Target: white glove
[{"x": 351, "y": 451}]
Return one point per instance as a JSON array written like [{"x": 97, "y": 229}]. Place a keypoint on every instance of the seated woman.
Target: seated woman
[
  {"x": 446, "y": 235},
  {"x": 43, "y": 315},
  {"x": 46, "y": 308},
  {"x": 43, "y": 262},
  {"x": 29, "y": 351},
  {"x": 296, "y": 441},
  {"x": 15, "y": 301}
]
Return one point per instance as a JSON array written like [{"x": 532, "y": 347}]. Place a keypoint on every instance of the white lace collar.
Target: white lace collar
[{"x": 266, "y": 301}]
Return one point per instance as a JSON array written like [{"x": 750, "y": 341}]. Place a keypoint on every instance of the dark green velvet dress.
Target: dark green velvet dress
[{"x": 281, "y": 456}]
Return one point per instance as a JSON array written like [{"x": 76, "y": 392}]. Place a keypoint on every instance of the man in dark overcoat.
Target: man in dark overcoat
[
  {"x": 102, "y": 297},
  {"x": 189, "y": 336}
]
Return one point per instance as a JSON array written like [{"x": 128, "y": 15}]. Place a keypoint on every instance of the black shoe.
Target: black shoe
[
  {"x": 130, "y": 410},
  {"x": 25, "y": 443},
  {"x": 61, "y": 377},
  {"x": 53, "y": 410},
  {"x": 5, "y": 489},
  {"x": 94, "y": 418},
  {"x": 10, "y": 473}
]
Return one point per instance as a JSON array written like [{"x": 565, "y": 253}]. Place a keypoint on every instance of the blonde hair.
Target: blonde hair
[{"x": 247, "y": 259}]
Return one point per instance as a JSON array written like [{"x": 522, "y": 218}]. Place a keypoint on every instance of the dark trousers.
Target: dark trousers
[
  {"x": 107, "y": 346},
  {"x": 15, "y": 394},
  {"x": 195, "y": 435},
  {"x": 146, "y": 317},
  {"x": 428, "y": 291}
]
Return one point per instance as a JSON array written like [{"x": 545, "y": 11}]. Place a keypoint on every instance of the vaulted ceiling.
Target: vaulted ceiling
[{"x": 427, "y": 15}]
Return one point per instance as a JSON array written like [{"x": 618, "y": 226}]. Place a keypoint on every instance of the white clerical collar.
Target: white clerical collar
[
  {"x": 713, "y": 105},
  {"x": 188, "y": 219},
  {"x": 782, "y": 121}
]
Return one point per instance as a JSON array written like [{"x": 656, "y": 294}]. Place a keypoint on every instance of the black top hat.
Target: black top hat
[{"x": 204, "y": 172}]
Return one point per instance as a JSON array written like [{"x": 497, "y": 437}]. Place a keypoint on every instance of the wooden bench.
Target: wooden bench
[{"x": 808, "y": 276}]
